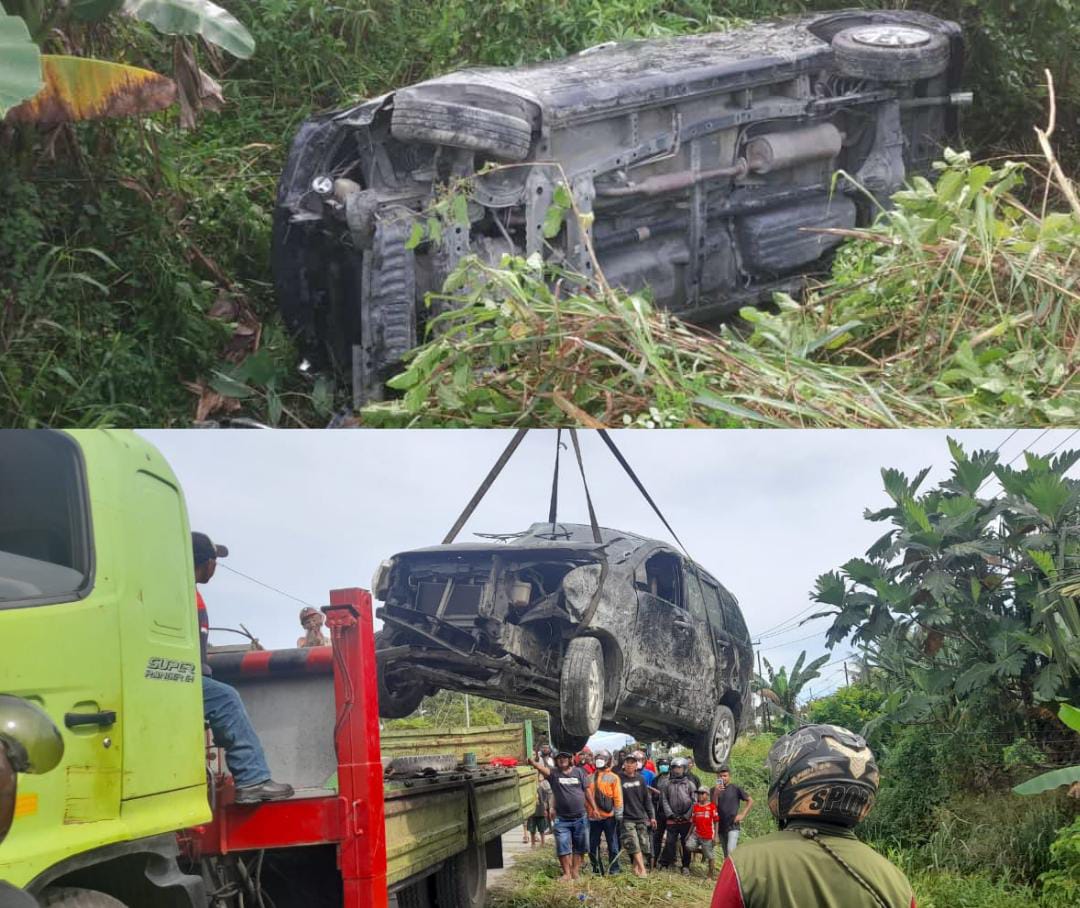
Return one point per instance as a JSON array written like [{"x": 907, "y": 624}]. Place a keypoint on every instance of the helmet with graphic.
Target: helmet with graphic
[{"x": 822, "y": 773}]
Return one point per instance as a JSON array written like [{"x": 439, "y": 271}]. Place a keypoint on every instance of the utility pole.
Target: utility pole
[
  {"x": 764, "y": 707},
  {"x": 846, "y": 682},
  {"x": 468, "y": 724}
]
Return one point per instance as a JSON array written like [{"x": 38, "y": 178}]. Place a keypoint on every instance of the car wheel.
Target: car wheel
[
  {"x": 560, "y": 740},
  {"x": 581, "y": 686},
  {"x": 397, "y": 699},
  {"x": 890, "y": 53},
  {"x": 423, "y": 119},
  {"x": 713, "y": 745}
]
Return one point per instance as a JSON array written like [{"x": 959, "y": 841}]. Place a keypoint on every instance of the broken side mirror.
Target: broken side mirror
[{"x": 29, "y": 742}]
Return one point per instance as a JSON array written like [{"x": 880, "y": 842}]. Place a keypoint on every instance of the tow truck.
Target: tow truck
[{"x": 101, "y": 639}]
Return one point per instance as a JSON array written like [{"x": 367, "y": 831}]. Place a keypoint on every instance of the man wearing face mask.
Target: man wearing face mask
[
  {"x": 663, "y": 776},
  {"x": 606, "y": 813}
]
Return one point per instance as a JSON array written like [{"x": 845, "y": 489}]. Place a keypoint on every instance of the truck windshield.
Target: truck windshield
[{"x": 44, "y": 521}]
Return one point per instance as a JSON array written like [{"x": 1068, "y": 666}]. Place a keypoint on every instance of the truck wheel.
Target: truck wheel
[
  {"x": 560, "y": 740},
  {"x": 423, "y": 119},
  {"x": 890, "y": 53},
  {"x": 462, "y": 881},
  {"x": 581, "y": 686},
  {"x": 713, "y": 745},
  {"x": 68, "y": 897},
  {"x": 397, "y": 699},
  {"x": 415, "y": 896}
]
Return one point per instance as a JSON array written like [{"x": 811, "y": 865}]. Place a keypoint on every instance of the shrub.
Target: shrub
[{"x": 850, "y": 707}]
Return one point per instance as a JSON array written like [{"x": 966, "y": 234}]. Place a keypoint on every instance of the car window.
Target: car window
[
  {"x": 733, "y": 618},
  {"x": 694, "y": 598},
  {"x": 44, "y": 523},
  {"x": 663, "y": 578},
  {"x": 712, "y": 604}
]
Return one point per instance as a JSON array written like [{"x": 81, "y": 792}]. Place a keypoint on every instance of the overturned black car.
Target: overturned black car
[
  {"x": 704, "y": 168},
  {"x": 625, "y": 631}
]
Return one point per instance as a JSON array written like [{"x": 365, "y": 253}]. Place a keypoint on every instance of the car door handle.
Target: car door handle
[
  {"x": 681, "y": 623},
  {"x": 102, "y": 719}
]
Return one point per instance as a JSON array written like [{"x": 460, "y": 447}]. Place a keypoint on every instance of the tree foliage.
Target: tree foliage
[
  {"x": 962, "y": 596},
  {"x": 850, "y": 707},
  {"x": 781, "y": 688}
]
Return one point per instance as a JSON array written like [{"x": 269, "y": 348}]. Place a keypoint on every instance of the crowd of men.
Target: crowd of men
[
  {"x": 823, "y": 781},
  {"x": 657, "y": 814}
]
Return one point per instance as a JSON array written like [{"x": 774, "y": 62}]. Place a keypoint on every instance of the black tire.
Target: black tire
[
  {"x": 581, "y": 687},
  {"x": 423, "y": 119},
  {"x": 462, "y": 881},
  {"x": 864, "y": 52},
  {"x": 418, "y": 895},
  {"x": 396, "y": 701},
  {"x": 713, "y": 746},
  {"x": 561, "y": 740},
  {"x": 69, "y": 897}
]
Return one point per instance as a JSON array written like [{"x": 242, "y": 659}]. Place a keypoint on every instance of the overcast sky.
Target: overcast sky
[{"x": 765, "y": 511}]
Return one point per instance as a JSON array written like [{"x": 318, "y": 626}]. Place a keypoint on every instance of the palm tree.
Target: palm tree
[{"x": 782, "y": 690}]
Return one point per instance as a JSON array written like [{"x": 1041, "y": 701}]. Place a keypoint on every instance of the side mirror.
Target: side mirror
[{"x": 29, "y": 743}]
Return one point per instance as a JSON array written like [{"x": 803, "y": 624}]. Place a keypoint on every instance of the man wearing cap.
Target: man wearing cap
[
  {"x": 704, "y": 818},
  {"x": 823, "y": 782},
  {"x": 312, "y": 620},
  {"x": 572, "y": 802},
  {"x": 639, "y": 816},
  {"x": 222, "y": 706}
]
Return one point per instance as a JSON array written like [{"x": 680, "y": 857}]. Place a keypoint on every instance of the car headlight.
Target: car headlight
[{"x": 380, "y": 583}]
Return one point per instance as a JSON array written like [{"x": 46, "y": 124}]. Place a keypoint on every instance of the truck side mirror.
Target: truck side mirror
[{"x": 30, "y": 743}]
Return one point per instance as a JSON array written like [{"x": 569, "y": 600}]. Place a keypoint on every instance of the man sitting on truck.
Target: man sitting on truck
[
  {"x": 573, "y": 802},
  {"x": 222, "y": 706}
]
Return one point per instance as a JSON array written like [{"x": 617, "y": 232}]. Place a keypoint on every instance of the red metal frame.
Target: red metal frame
[{"x": 354, "y": 820}]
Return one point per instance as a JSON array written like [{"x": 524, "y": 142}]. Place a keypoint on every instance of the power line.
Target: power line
[
  {"x": 780, "y": 628},
  {"x": 1063, "y": 441},
  {"x": 267, "y": 585},
  {"x": 789, "y": 642},
  {"x": 1023, "y": 450}
]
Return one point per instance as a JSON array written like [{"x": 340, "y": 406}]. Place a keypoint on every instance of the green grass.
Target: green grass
[
  {"x": 134, "y": 274},
  {"x": 959, "y": 307}
]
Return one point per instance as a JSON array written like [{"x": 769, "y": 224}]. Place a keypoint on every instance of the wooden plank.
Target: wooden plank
[{"x": 486, "y": 741}]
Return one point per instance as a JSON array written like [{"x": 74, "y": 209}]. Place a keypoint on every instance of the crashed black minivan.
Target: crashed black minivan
[
  {"x": 704, "y": 167},
  {"x": 626, "y": 632}
]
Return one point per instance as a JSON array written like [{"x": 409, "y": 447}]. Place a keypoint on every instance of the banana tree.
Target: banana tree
[
  {"x": 782, "y": 689},
  {"x": 44, "y": 88},
  {"x": 1067, "y": 775}
]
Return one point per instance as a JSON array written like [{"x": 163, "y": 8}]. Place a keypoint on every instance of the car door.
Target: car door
[
  {"x": 666, "y": 664},
  {"x": 728, "y": 668}
]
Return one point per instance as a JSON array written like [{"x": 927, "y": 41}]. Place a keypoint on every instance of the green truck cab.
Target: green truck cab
[
  {"x": 99, "y": 631},
  {"x": 101, "y": 645}
]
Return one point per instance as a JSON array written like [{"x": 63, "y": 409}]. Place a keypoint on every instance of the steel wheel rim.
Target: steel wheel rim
[
  {"x": 722, "y": 739},
  {"x": 593, "y": 691}
]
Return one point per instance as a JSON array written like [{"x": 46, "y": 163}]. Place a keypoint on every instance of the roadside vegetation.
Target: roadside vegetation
[
  {"x": 964, "y": 623},
  {"x": 134, "y": 272}
]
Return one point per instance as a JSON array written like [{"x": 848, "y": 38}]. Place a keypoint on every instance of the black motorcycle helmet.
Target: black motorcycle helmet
[{"x": 822, "y": 773}]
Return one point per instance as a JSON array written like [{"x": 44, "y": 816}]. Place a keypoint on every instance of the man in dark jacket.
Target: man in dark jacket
[
  {"x": 678, "y": 798},
  {"x": 222, "y": 707},
  {"x": 639, "y": 817},
  {"x": 824, "y": 781}
]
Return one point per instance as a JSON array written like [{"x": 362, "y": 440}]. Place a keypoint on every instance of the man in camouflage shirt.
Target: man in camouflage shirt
[{"x": 824, "y": 781}]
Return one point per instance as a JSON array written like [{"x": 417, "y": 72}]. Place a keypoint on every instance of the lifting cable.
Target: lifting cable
[{"x": 492, "y": 475}]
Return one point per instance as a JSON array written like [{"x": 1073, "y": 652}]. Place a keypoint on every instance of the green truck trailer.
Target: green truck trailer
[{"x": 100, "y": 636}]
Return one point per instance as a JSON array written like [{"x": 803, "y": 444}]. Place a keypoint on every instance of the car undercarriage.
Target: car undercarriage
[{"x": 710, "y": 171}]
